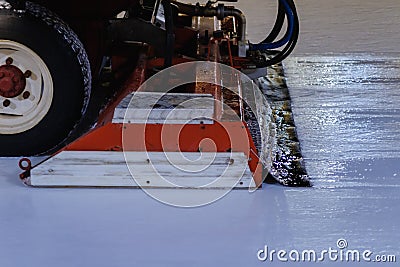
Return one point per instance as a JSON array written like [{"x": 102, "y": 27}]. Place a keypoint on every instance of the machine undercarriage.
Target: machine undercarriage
[{"x": 72, "y": 72}]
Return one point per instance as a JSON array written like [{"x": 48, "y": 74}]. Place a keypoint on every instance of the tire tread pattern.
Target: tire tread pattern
[{"x": 52, "y": 20}]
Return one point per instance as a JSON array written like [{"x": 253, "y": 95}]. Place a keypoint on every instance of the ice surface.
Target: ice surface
[{"x": 348, "y": 123}]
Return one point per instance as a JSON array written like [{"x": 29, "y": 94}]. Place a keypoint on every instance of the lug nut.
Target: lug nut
[
  {"x": 26, "y": 95},
  {"x": 28, "y": 74},
  {"x": 6, "y": 103},
  {"x": 9, "y": 61}
]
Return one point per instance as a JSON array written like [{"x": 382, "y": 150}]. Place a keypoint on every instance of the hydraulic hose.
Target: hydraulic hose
[
  {"x": 288, "y": 35},
  {"x": 281, "y": 55},
  {"x": 280, "y": 19}
]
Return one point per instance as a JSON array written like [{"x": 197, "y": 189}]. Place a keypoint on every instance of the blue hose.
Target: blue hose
[{"x": 285, "y": 39}]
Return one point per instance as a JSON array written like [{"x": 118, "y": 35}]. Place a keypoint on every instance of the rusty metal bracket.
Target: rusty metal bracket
[{"x": 25, "y": 164}]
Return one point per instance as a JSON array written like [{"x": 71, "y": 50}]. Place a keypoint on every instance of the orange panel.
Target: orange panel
[{"x": 217, "y": 137}]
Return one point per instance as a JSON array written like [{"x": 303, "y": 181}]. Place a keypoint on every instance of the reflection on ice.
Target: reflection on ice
[{"x": 347, "y": 110}]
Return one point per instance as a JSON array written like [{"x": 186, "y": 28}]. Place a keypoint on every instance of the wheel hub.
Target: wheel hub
[
  {"x": 12, "y": 80},
  {"x": 26, "y": 88}
]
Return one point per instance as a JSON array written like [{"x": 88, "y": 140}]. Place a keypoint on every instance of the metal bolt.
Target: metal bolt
[
  {"x": 6, "y": 103},
  {"x": 9, "y": 61},
  {"x": 28, "y": 74},
  {"x": 26, "y": 95}
]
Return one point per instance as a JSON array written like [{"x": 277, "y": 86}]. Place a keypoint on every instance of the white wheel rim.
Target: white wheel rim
[{"x": 21, "y": 114}]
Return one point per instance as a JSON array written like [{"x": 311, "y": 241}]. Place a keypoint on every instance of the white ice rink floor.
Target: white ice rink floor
[{"x": 347, "y": 111}]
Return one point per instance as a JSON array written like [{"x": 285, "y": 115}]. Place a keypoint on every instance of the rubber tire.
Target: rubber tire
[{"x": 60, "y": 49}]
